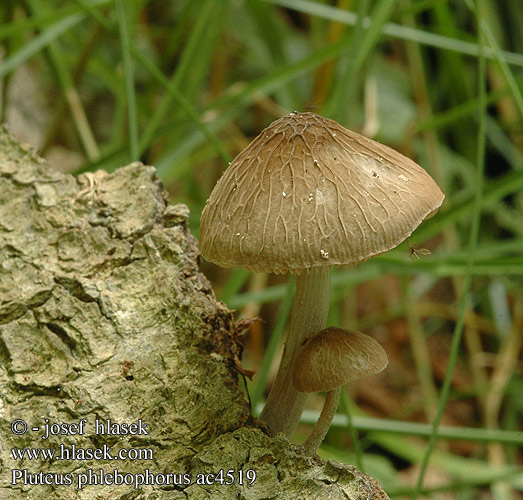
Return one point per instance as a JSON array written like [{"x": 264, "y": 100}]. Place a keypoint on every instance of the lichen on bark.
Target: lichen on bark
[{"x": 105, "y": 315}]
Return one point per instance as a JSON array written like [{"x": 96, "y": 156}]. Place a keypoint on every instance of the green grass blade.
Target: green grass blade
[
  {"x": 371, "y": 424},
  {"x": 90, "y": 8},
  {"x": 358, "y": 453},
  {"x": 129, "y": 79},
  {"x": 398, "y": 31},
  {"x": 207, "y": 14},
  {"x": 274, "y": 341},
  {"x": 57, "y": 59},
  {"x": 169, "y": 85},
  {"x": 233, "y": 285},
  {"x": 233, "y": 104},
  {"x": 266, "y": 22},
  {"x": 39, "y": 42},
  {"x": 473, "y": 240},
  {"x": 18, "y": 26},
  {"x": 496, "y": 190},
  {"x": 343, "y": 86},
  {"x": 191, "y": 111},
  {"x": 511, "y": 81},
  {"x": 461, "y": 111}
]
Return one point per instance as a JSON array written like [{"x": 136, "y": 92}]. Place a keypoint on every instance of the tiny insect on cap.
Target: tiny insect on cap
[
  {"x": 308, "y": 192},
  {"x": 335, "y": 357}
]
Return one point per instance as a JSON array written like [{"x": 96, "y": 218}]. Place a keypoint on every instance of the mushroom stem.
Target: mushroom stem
[
  {"x": 324, "y": 421},
  {"x": 285, "y": 404}
]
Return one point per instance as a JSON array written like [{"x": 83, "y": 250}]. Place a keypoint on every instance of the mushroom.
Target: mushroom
[
  {"x": 304, "y": 195},
  {"x": 332, "y": 358}
]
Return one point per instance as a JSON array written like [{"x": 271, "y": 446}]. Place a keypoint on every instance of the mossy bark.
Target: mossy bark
[{"x": 105, "y": 315}]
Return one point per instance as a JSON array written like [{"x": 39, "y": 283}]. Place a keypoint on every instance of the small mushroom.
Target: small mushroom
[
  {"x": 332, "y": 358},
  {"x": 304, "y": 195}
]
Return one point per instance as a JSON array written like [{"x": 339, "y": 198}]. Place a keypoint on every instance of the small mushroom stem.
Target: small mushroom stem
[
  {"x": 324, "y": 421},
  {"x": 285, "y": 404}
]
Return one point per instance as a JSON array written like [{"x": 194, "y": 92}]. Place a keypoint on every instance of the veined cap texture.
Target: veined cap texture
[
  {"x": 308, "y": 192},
  {"x": 335, "y": 357}
]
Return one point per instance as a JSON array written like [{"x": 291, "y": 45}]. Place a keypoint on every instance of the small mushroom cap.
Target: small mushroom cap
[
  {"x": 308, "y": 192},
  {"x": 335, "y": 357}
]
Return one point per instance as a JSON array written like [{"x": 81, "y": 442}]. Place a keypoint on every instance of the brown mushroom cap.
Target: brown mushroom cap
[
  {"x": 308, "y": 192},
  {"x": 335, "y": 357}
]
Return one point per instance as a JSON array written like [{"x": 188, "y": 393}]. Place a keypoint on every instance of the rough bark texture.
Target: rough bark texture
[{"x": 104, "y": 315}]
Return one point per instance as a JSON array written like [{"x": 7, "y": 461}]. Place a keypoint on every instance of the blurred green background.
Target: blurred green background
[{"x": 184, "y": 85}]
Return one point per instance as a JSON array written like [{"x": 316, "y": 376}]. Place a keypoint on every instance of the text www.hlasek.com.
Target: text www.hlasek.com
[
  {"x": 23, "y": 476},
  {"x": 76, "y": 453}
]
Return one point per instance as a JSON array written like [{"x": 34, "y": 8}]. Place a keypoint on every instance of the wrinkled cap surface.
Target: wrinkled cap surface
[
  {"x": 335, "y": 357},
  {"x": 308, "y": 192}
]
